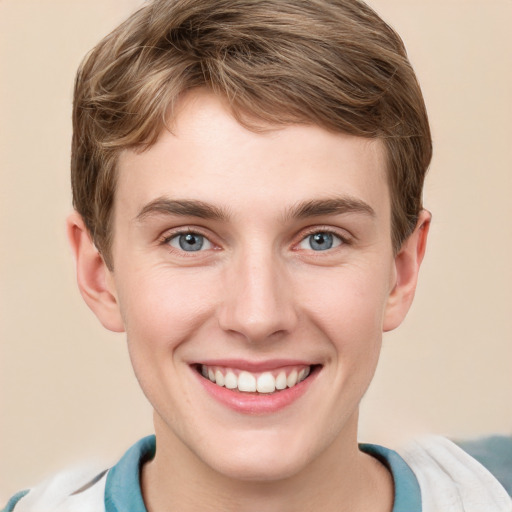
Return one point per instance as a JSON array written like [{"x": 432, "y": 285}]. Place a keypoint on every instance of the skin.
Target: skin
[{"x": 257, "y": 291}]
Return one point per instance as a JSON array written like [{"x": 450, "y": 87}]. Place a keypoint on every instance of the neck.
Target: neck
[{"x": 342, "y": 479}]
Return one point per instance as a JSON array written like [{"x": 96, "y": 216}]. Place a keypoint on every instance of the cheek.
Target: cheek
[
  {"x": 348, "y": 304},
  {"x": 162, "y": 307},
  {"x": 348, "y": 310}
]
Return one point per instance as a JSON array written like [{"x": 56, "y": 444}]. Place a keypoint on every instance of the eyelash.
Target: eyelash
[
  {"x": 344, "y": 239},
  {"x": 166, "y": 238},
  {"x": 326, "y": 229}
]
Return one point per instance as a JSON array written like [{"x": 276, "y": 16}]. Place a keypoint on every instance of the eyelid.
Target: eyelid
[
  {"x": 175, "y": 242},
  {"x": 345, "y": 238},
  {"x": 164, "y": 239},
  {"x": 335, "y": 241},
  {"x": 169, "y": 234}
]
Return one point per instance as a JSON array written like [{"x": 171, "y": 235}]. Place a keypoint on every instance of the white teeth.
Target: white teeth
[
  {"x": 219, "y": 378},
  {"x": 292, "y": 379},
  {"x": 266, "y": 383},
  {"x": 246, "y": 382},
  {"x": 281, "y": 381},
  {"x": 230, "y": 381}
]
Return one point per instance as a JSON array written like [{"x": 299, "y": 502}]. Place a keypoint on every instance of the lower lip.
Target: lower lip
[{"x": 261, "y": 403}]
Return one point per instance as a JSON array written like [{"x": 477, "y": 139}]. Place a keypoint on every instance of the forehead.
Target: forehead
[{"x": 208, "y": 156}]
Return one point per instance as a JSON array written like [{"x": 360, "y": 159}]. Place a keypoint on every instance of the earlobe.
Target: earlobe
[
  {"x": 94, "y": 279},
  {"x": 407, "y": 266}
]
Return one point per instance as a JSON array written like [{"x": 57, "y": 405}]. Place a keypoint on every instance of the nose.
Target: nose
[{"x": 258, "y": 299}]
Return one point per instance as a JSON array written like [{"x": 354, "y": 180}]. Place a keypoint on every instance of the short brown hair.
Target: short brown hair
[{"x": 332, "y": 63}]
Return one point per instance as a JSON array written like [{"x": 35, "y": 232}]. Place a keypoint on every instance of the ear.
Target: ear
[
  {"x": 407, "y": 266},
  {"x": 95, "y": 280}
]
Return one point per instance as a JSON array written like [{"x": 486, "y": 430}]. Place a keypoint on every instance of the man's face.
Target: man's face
[{"x": 253, "y": 259}]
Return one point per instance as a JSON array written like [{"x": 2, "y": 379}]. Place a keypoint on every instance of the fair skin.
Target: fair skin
[{"x": 265, "y": 254}]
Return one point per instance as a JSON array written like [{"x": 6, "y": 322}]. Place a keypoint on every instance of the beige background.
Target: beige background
[{"x": 67, "y": 390}]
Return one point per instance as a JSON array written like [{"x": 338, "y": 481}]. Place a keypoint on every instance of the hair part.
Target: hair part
[{"x": 331, "y": 63}]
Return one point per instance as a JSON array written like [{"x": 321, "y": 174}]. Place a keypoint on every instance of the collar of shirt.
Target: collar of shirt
[{"x": 123, "y": 493}]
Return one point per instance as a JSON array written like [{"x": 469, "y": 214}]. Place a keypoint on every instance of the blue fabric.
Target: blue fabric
[
  {"x": 123, "y": 493},
  {"x": 12, "y": 502},
  {"x": 407, "y": 489},
  {"x": 122, "y": 490},
  {"x": 495, "y": 453}
]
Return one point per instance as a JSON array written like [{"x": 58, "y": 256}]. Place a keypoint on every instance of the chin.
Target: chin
[
  {"x": 261, "y": 469},
  {"x": 261, "y": 461}
]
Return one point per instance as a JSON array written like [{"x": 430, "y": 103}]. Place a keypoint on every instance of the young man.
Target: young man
[{"x": 247, "y": 179}]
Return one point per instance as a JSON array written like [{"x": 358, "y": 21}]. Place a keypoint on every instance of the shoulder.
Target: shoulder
[
  {"x": 77, "y": 490},
  {"x": 89, "y": 489},
  {"x": 448, "y": 474},
  {"x": 494, "y": 453}
]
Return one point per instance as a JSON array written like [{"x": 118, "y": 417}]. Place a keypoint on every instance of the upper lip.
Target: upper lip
[{"x": 254, "y": 366}]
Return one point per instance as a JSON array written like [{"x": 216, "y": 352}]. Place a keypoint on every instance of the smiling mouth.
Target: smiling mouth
[{"x": 266, "y": 382}]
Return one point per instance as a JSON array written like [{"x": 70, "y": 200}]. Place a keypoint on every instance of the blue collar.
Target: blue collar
[
  {"x": 407, "y": 489},
  {"x": 122, "y": 489},
  {"x": 123, "y": 493}
]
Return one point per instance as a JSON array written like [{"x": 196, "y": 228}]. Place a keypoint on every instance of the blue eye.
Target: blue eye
[
  {"x": 190, "y": 242},
  {"x": 321, "y": 241}
]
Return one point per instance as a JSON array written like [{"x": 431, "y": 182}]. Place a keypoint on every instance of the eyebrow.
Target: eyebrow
[
  {"x": 302, "y": 210},
  {"x": 182, "y": 208},
  {"x": 330, "y": 206}
]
